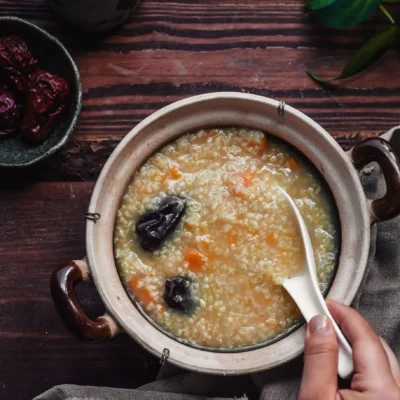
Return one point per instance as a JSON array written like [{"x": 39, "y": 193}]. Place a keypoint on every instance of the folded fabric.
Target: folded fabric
[{"x": 377, "y": 300}]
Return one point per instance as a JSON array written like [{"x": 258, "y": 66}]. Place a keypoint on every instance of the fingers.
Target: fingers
[
  {"x": 369, "y": 356},
  {"x": 320, "y": 361},
  {"x": 394, "y": 364}
]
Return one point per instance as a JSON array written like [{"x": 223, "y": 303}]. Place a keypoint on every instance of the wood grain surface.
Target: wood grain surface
[{"x": 167, "y": 51}]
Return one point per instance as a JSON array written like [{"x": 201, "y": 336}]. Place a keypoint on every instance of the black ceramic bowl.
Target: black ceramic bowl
[{"x": 53, "y": 57}]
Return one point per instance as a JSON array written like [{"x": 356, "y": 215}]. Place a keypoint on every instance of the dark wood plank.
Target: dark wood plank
[
  {"x": 43, "y": 227},
  {"x": 32, "y": 365}
]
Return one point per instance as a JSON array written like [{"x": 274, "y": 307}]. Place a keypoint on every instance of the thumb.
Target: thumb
[{"x": 319, "y": 380}]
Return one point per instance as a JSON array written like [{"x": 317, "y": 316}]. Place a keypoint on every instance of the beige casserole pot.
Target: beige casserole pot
[{"x": 356, "y": 214}]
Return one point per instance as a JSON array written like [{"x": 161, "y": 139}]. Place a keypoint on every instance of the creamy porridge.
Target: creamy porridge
[{"x": 203, "y": 237}]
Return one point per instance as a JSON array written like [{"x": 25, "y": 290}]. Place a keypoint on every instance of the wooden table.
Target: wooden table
[{"x": 166, "y": 51}]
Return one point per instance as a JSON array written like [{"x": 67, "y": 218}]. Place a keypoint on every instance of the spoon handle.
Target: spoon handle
[
  {"x": 305, "y": 292},
  {"x": 311, "y": 303}
]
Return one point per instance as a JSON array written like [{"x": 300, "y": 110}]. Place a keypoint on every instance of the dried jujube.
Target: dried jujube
[
  {"x": 45, "y": 95},
  {"x": 155, "y": 225},
  {"x": 14, "y": 52},
  {"x": 17, "y": 62},
  {"x": 179, "y": 294},
  {"x": 10, "y": 112},
  {"x": 46, "y": 98},
  {"x": 13, "y": 79}
]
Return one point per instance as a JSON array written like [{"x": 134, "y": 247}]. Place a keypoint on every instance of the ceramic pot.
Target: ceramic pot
[
  {"x": 339, "y": 169},
  {"x": 94, "y": 15}
]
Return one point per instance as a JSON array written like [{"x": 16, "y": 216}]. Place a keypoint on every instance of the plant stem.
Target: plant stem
[{"x": 386, "y": 12}]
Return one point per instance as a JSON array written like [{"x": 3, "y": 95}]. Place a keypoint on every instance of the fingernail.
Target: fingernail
[{"x": 319, "y": 325}]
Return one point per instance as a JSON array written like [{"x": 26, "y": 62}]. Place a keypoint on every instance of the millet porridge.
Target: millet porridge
[{"x": 203, "y": 237}]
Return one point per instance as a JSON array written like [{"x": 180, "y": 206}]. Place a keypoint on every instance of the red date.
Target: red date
[
  {"x": 45, "y": 95},
  {"x": 14, "y": 52},
  {"x": 10, "y": 112},
  {"x": 46, "y": 98}
]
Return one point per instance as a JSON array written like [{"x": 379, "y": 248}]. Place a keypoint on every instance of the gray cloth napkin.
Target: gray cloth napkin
[{"x": 378, "y": 300}]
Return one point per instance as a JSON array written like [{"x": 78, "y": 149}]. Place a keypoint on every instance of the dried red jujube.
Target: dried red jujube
[
  {"x": 13, "y": 79},
  {"x": 48, "y": 92},
  {"x": 45, "y": 94},
  {"x": 46, "y": 98},
  {"x": 10, "y": 112},
  {"x": 14, "y": 52}
]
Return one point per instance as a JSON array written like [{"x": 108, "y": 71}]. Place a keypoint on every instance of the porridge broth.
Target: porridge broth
[{"x": 235, "y": 241}]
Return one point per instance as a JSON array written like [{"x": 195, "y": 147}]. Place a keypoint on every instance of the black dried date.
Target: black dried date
[
  {"x": 179, "y": 294},
  {"x": 154, "y": 226}
]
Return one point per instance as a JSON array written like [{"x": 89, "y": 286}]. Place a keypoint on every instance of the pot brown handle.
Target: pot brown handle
[
  {"x": 379, "y": 150},
  {"x": 63, "y": 281}
]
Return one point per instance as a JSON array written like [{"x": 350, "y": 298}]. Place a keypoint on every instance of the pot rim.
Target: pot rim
[{"x": 242, "y": 361}]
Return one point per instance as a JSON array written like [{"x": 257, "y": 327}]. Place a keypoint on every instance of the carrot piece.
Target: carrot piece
[
  {"x": 135, "y": 282},
  {"x": 237, "y": 193},
  {"x": 247, "y": 177},
  {"x": 292, "y": 163},
  {"x": 271, "y": 239},
  {"x": 195, "y": 260},
  {"x": 189, "y": 227},
  {"x": 142, "y": 294},
  {"x": 175, "y": 173}
]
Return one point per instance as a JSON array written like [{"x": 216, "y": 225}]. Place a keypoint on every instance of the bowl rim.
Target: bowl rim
[
  {"x": 353, "y": 213},
  {"x": 78, "y": 98}
]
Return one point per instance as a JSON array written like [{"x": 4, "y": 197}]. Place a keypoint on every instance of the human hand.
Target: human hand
[{"x": 376, "y": 369}]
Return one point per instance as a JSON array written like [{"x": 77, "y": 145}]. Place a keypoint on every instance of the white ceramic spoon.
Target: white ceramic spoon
[{"x": 305, "y": 292}]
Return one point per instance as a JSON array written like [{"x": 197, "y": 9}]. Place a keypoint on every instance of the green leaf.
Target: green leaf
[
  {"x": 317, "y": 4},
  {"x": 367, "y": 55},
  {"x": 374, "y": 49},
  {"x": 345, "y": 13},
  {"x": 320, "y": 80}
]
